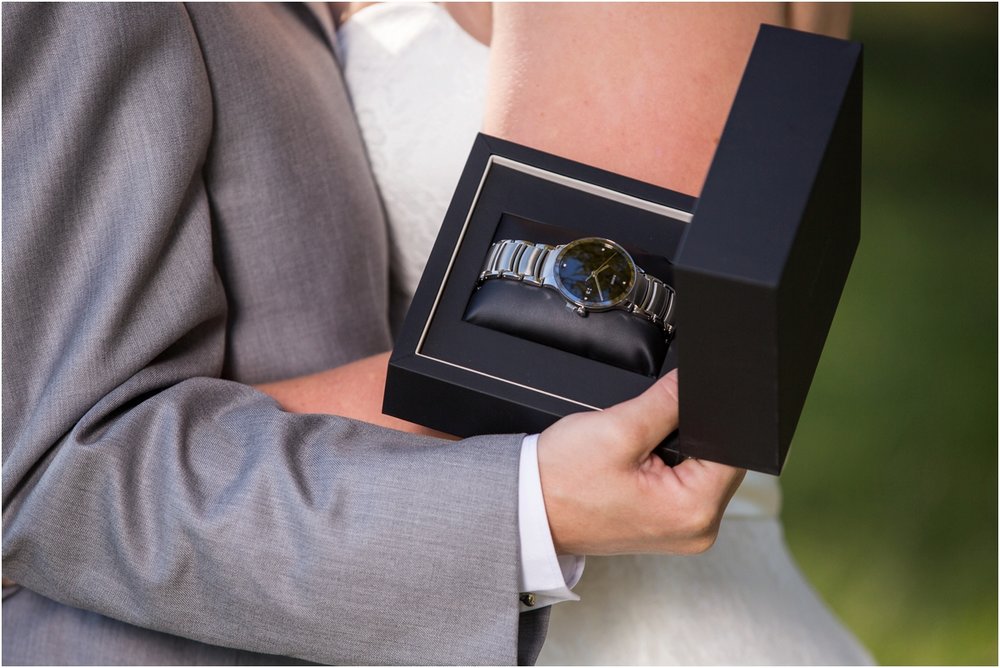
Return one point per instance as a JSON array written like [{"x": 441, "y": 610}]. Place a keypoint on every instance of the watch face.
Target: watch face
[{"x": 594, "y": 273}]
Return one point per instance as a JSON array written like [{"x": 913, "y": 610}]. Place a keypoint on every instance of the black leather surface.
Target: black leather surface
[{"x": 543, "y": 316}]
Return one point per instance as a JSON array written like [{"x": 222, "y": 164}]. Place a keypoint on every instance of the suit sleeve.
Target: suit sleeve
[{"x": 136, "y": 482}]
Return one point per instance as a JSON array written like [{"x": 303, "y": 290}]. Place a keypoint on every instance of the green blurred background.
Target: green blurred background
[{"x": 891, "y": 485}]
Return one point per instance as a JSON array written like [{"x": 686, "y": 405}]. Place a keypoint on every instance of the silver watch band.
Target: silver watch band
[
  {"x": 653, "y": 299},
  {"x": 519, "y": 260},
  {"x": 531, "y": 263}
]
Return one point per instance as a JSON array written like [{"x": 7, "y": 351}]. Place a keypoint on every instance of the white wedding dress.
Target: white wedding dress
[{"x": 418, "y": 83}]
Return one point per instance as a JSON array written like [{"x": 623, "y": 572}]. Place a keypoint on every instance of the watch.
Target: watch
[{"x": 592, "y": 274}]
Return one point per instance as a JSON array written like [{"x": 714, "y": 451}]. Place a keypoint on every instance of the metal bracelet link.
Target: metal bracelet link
[
  {"x": 655, "y": 301},
  {"x": 528, "y": 262},
  {"x": 517, "y": 260}
]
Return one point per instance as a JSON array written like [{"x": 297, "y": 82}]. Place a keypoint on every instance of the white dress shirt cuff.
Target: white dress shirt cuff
[{"x": 546, "y": 578}]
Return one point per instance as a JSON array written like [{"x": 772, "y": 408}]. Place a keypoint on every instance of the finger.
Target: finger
[{"x": 647, "y": 419}]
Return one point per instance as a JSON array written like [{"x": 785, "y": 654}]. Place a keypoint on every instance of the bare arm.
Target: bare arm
[
  {"x": 353, "y": 390},
  {"x": 640, "y": 89}
]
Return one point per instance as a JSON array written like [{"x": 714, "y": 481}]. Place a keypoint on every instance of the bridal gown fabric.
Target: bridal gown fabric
[{"x": 418, "y": 82}]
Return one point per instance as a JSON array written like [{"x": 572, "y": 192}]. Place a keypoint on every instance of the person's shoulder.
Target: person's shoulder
[
  {"x": 113, "y": 41},
  {"x": 86, "y": 36},
  {"x": 92, "y": 18},
  {"x": 102, "y": 74}
]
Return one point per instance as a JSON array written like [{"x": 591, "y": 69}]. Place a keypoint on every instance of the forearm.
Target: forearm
[
  {"x": 352, "y": 390},
  {"x": 639, "y": 89},
  {"x": 205, "y": 512}
]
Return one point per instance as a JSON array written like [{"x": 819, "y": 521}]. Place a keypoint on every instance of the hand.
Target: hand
[{"x": 606, "y": 493}]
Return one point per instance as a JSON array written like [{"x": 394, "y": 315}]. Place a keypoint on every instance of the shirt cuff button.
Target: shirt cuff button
[{"x": 528, "y": 599}]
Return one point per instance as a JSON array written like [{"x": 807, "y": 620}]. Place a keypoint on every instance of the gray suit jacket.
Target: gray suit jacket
[{"x": 187, "y": 208}]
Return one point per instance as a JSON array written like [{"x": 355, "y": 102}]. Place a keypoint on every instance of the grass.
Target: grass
[{"x": 891, "y": 486}]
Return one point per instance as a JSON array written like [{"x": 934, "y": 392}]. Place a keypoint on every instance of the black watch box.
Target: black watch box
[{"x": 758, "y": 263}]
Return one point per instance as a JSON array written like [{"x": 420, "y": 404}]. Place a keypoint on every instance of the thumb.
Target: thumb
[{"x": 650, "y": 417}]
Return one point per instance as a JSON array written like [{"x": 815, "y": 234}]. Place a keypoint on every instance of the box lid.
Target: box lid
[{"x": 761, "y": 269}]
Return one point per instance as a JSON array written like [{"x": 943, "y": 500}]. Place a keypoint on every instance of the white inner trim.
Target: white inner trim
[{"x": 600, "y": 191}]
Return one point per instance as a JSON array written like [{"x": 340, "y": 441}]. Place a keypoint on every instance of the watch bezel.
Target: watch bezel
[{"x": 589, "y": 307}]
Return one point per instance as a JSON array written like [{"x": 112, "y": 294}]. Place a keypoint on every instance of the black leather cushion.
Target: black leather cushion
[{"x": 542, "y": 315}]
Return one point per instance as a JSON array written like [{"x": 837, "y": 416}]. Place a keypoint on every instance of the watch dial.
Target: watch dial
[{"x": 595, "y": 273}]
